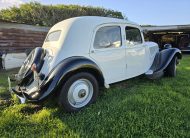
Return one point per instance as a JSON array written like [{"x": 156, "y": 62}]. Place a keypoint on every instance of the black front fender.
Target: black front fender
[
  {"x": 61, "y": 73},
  {"x": 167, "y": 55},
  {"x": 162, "y": 60}
]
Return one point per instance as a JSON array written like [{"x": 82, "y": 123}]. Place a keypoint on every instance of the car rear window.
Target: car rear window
[{"x": 53, "y": 36}]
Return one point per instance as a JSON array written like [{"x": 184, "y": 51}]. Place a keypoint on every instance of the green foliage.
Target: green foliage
[
  {"x": 134, "y": 108},
  {"x": 47, "y": 15}
]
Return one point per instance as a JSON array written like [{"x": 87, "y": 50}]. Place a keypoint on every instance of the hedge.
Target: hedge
[{"x": 35, "y": 13}]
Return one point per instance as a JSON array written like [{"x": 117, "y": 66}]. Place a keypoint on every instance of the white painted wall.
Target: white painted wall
[{"x": 13, "y": 60}]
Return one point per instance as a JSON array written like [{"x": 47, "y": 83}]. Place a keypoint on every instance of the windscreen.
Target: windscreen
[{"x": 53, "y": 36}]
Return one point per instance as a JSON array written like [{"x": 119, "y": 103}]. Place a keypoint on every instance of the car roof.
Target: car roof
[
  {"x": 94, "y": 20},
  {"x": 100, "y": 19},
  {"x": 77, "y": 33}
]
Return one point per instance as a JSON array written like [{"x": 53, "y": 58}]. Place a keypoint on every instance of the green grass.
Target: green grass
[{"x": 134, "y": 108}]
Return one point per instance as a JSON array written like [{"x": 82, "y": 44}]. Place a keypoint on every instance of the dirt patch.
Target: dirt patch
[
  {"x": 31, "y": 109},
  {"x": 4, "y": 102},
  {"x": 5, "y": 95}
]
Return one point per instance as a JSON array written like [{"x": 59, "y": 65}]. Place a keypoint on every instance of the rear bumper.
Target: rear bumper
[
  {"x": 18, "y": 93},
  {"x": 22, "y": 94}
]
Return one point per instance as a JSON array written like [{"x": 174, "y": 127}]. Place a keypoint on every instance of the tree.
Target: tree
[{"x": 35, "y": 13}]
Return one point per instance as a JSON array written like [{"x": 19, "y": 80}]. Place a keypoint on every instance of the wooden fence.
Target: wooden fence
[{"x": 16, "y": 38}]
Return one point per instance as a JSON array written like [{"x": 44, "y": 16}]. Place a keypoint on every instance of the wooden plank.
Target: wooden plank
[{"x": 20, "y": 39}]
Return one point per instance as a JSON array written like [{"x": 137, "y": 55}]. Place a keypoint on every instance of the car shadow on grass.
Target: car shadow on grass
[{"x": 110, "y": 107}]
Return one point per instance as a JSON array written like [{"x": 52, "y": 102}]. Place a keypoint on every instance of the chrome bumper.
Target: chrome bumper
[{"x": 20, "y": 95}]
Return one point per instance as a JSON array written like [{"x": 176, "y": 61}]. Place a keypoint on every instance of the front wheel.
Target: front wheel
[
  {"x": 171, "y": 69},
  {"x": 78, "y": 91}
]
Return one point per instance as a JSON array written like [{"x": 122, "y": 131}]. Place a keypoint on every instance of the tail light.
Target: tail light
[{"x": 33, "y": 68}]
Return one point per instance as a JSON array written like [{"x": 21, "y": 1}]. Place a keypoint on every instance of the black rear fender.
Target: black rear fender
[{"x": 64, "y": 70}]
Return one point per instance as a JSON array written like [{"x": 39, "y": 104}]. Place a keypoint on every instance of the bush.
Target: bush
[{"x": 35, "y": 13}]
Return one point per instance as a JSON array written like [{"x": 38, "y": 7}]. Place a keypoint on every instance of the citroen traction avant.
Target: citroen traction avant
[{"x": 82, "y": 54}]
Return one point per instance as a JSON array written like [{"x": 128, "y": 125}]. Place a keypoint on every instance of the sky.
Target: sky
[{"x": 144, "y": 12}]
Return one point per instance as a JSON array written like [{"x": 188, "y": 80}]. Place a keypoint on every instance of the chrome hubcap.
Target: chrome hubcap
[{"x": 80, "y": 93}]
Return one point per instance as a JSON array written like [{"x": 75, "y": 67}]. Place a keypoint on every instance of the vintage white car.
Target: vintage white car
[{"x": 82, "y": 54}]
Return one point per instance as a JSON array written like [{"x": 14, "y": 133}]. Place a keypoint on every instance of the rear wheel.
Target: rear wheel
[
  {"x": 79, "y": 91},
  {"x": 171, "y": 69}
]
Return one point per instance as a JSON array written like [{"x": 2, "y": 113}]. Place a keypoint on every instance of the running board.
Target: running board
[
  {"x": 149, "y": 72},
  {"x": 154, "y": 75}
]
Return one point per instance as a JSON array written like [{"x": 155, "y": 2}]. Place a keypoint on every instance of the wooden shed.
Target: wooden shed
[{"x": 176, "y": 35}]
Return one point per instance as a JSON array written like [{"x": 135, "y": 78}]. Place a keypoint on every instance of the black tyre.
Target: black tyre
[
  {"x": 79, "y": 91},
  {"x": 171, "y": 69}
]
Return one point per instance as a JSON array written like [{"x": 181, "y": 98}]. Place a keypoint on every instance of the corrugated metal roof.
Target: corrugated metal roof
[{"x": 166, "y": 28}]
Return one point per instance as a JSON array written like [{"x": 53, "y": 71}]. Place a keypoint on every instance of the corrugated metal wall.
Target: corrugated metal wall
[{"x": 16, "y": 38}]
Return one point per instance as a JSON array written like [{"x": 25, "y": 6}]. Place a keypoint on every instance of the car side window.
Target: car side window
[
  {"x": 108, "y": 37},
  {"x": 133, "y": 36}
]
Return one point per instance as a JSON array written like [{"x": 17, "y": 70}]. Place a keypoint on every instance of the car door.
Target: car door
[
  {"x": 109, "y": 53},
  {"x": 136, "y": 57}
]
